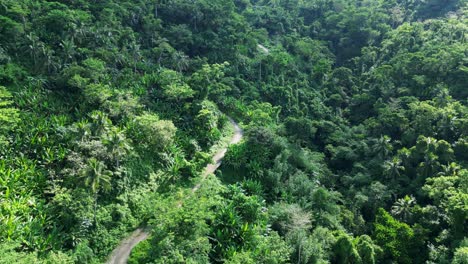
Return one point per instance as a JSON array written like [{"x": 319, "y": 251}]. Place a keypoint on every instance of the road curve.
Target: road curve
[
  {"x": 218, "y": 157},
  {"x": 121, "y": 254}
]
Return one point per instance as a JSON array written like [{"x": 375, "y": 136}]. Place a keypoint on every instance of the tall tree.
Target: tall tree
[{"x": 98, "y": 179}]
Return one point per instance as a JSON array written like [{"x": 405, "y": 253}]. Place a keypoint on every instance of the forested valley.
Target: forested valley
[{"x": 355, "y": 115}]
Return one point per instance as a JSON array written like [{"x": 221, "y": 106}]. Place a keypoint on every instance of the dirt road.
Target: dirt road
[{"x": 121, "y": 254}]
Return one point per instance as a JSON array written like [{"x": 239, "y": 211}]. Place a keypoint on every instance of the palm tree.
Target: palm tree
[
  {"x": 175, "y": 162},
  {"x": 393, "y": 167},
  {"x": 34, "y": 47},
  {"x": 447, "y": 125},
  {"x": 100, "y": 123},
  {"x": 429, "y": 164},
  {"x": 403, "y": 207},
  {"x": 83, "y": 129},
  {"x": 451, "y": 169},
  {"x": 383, "y": 146},
  {"x": 180, "y": 60},
  {"x": 48, "y": 55},
  {"x": 78, "y": 32},
  {"x": 69, "y": 50},
  {"x": 117, "y": 145},
  {"x": 443, "y": 97},
  {"x": 97, "y": 178},
  {"x": 259, "y": 58},
  {"x": 431, "y": 143},
  {"x": 135, "y": 52}
]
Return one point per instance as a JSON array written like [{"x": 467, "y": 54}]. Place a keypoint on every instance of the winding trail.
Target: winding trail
[{"x": 121, "y": 254}]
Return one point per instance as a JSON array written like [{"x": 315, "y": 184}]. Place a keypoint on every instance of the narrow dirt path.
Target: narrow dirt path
[
  {"x": 218, "y": 157},
  {"x": 121, "y": 254}
]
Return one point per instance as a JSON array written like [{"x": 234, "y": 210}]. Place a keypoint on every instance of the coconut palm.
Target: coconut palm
[
  {"x": 429, "y": 164},
  {"x": 100, "y": 123},
  {"x": 393, "y": 167},
  {"x": 117, "y": 145},
  {"x": 180, "y": 60},
  {"x": 174, "y": 163},
  {"x": 96, "y": 177},
  {"x": 403, "y": 208},
  {"x": 69, "y": 50},
  {"x": 383, "y": 146},
  {"x": 451, "y": 169},
  {"x": 34, "y": 46},
  {"x": 135, "y": 53},
  {"x": 49, "y": 59},
  {"x": 83, "y": 129}
]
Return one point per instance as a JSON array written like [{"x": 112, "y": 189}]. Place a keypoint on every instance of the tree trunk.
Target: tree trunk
[
  {"x": 260, "y": 73},
  {"x": 95, "y": 209}
]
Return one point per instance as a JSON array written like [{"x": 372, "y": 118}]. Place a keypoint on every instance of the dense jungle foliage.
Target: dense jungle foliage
[{"x": 355, "y": 113}]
